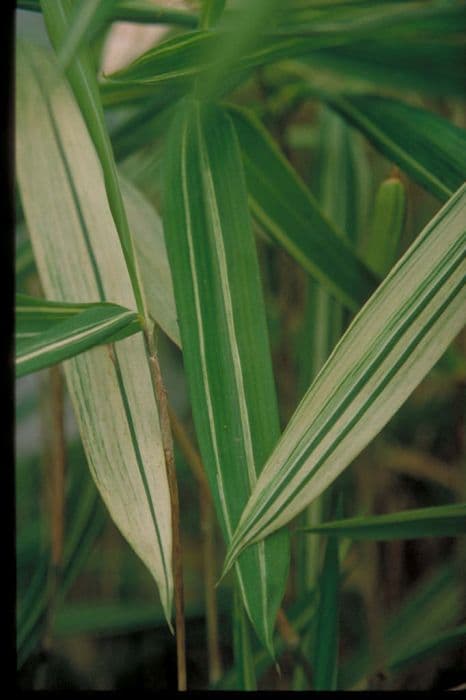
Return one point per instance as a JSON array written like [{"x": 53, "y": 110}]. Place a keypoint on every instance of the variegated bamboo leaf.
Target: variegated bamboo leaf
[
  {"x": 224, "y": 336},
  {"x": 50, "y": 333},
  {"x": 390, "y": 346},
  {"x": 79, "y": 258}
]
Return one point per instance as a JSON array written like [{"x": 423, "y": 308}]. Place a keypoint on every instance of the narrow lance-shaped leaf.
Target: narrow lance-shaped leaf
[
  {"x": 390, "y": 346},
  {"x": 244, "y": 659},
  {"x": 289, "y": 213},
  {"x": 325, "y": 657},
  {"x": 141, "y": 11},
  {"x": 83, "y": 81},
  {"x": 86, "y": 20},
  {"x": 437, "y": 521},
  {"x": 79, "y": 259},
  {"x": 34, "y": 315},
  {"x": 101, "y": 323},
  {"x": 151, "y": 253},
  {"x": 251, "y": 37},
  {"x": 210, "y": 12},
  {"x": 224, "y": 335},
  {"x": 425, "y": 146}
]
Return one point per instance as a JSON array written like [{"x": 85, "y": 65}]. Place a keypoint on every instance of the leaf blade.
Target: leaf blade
[
  {"x": 94, "y": 326},
  {"x": 224, "y": 336},
  {"x": 421, "y": 299},
  {"x": 111, "y": 393},
  {"x": 437, "y": 521},
  {"x": 427, "y": 147},
  {"x": 291, "y": 215}
]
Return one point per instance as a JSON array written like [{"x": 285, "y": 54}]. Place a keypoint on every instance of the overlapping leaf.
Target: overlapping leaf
[
  {"x": 290, "y": 214},
  {"x": 376, "y": 45},
  {"x": 48, "y": 333},
  {"x": 80, "y": 260},
  {"x": 391, "y": 345},
  {"x": 427, "y": 147},
  {"x": 223, "y": 331},
  {"x": 83, "y": 81},
  {"x": 151, "y": 253}
]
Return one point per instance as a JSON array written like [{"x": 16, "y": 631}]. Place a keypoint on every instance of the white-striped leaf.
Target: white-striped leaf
[
  {"x": 152, "y": 260},
  {"x": 224, "y": 335},
  {"x": 65, "y": 337},
  {"x": 392, "y": 343},
  {"x": 80, "y": 259}
]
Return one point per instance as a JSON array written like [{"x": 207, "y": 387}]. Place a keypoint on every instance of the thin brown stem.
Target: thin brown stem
[
  {"x": 208, "y": 544},
  {"x": 161, "y": 396}
]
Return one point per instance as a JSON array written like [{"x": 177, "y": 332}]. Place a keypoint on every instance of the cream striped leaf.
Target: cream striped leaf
[
  {"x": 94, "y": 325},
  {"x": 152, "y": 261},
  {"x": 80, "y": 259},
  {"x": 390, "y": 346},
  {"x": 224, "y": 336}
]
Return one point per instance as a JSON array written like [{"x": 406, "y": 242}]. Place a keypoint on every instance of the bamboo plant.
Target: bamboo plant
[{"x": 181, "y": 250}]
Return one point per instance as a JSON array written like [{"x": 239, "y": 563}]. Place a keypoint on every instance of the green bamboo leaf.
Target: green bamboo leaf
[
  {"x": 325, "y": 657},
  {"x": 80, "y": 259},
  {"x": 85, "y": 21},
  {"x": 290, "y": 214},
  {"x": 437, "y": 521},
  {"x": 369, "y": 47},
  {"x": 210, "y": 12},
  {"x": 426, "y": 65},
  {"x": 140, "y": 11},
  {"x": 224, "y": 335},
  {"x": 103, "y": 323},
  {"x": 33, "y": 315},
  {"x": 390, "y": 346},
  {"x": 427, "y": 147},
  {"x": 24, "y": 258},
  {"x": 244, "y": 660},
  {"x": 387, "y": 226}
]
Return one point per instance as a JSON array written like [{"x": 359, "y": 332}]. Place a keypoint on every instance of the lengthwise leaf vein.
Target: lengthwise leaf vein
[
  {"x": 101, "y": 292},
  {"x": 291, "y": 469},
  {"x": 219, "y": 248}
]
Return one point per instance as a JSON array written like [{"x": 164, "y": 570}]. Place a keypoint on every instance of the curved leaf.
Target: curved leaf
[
  {"x": 86, "y": 328},
  {"x": 390, "y": 346},
  {"x": 80, "y": 260}
]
